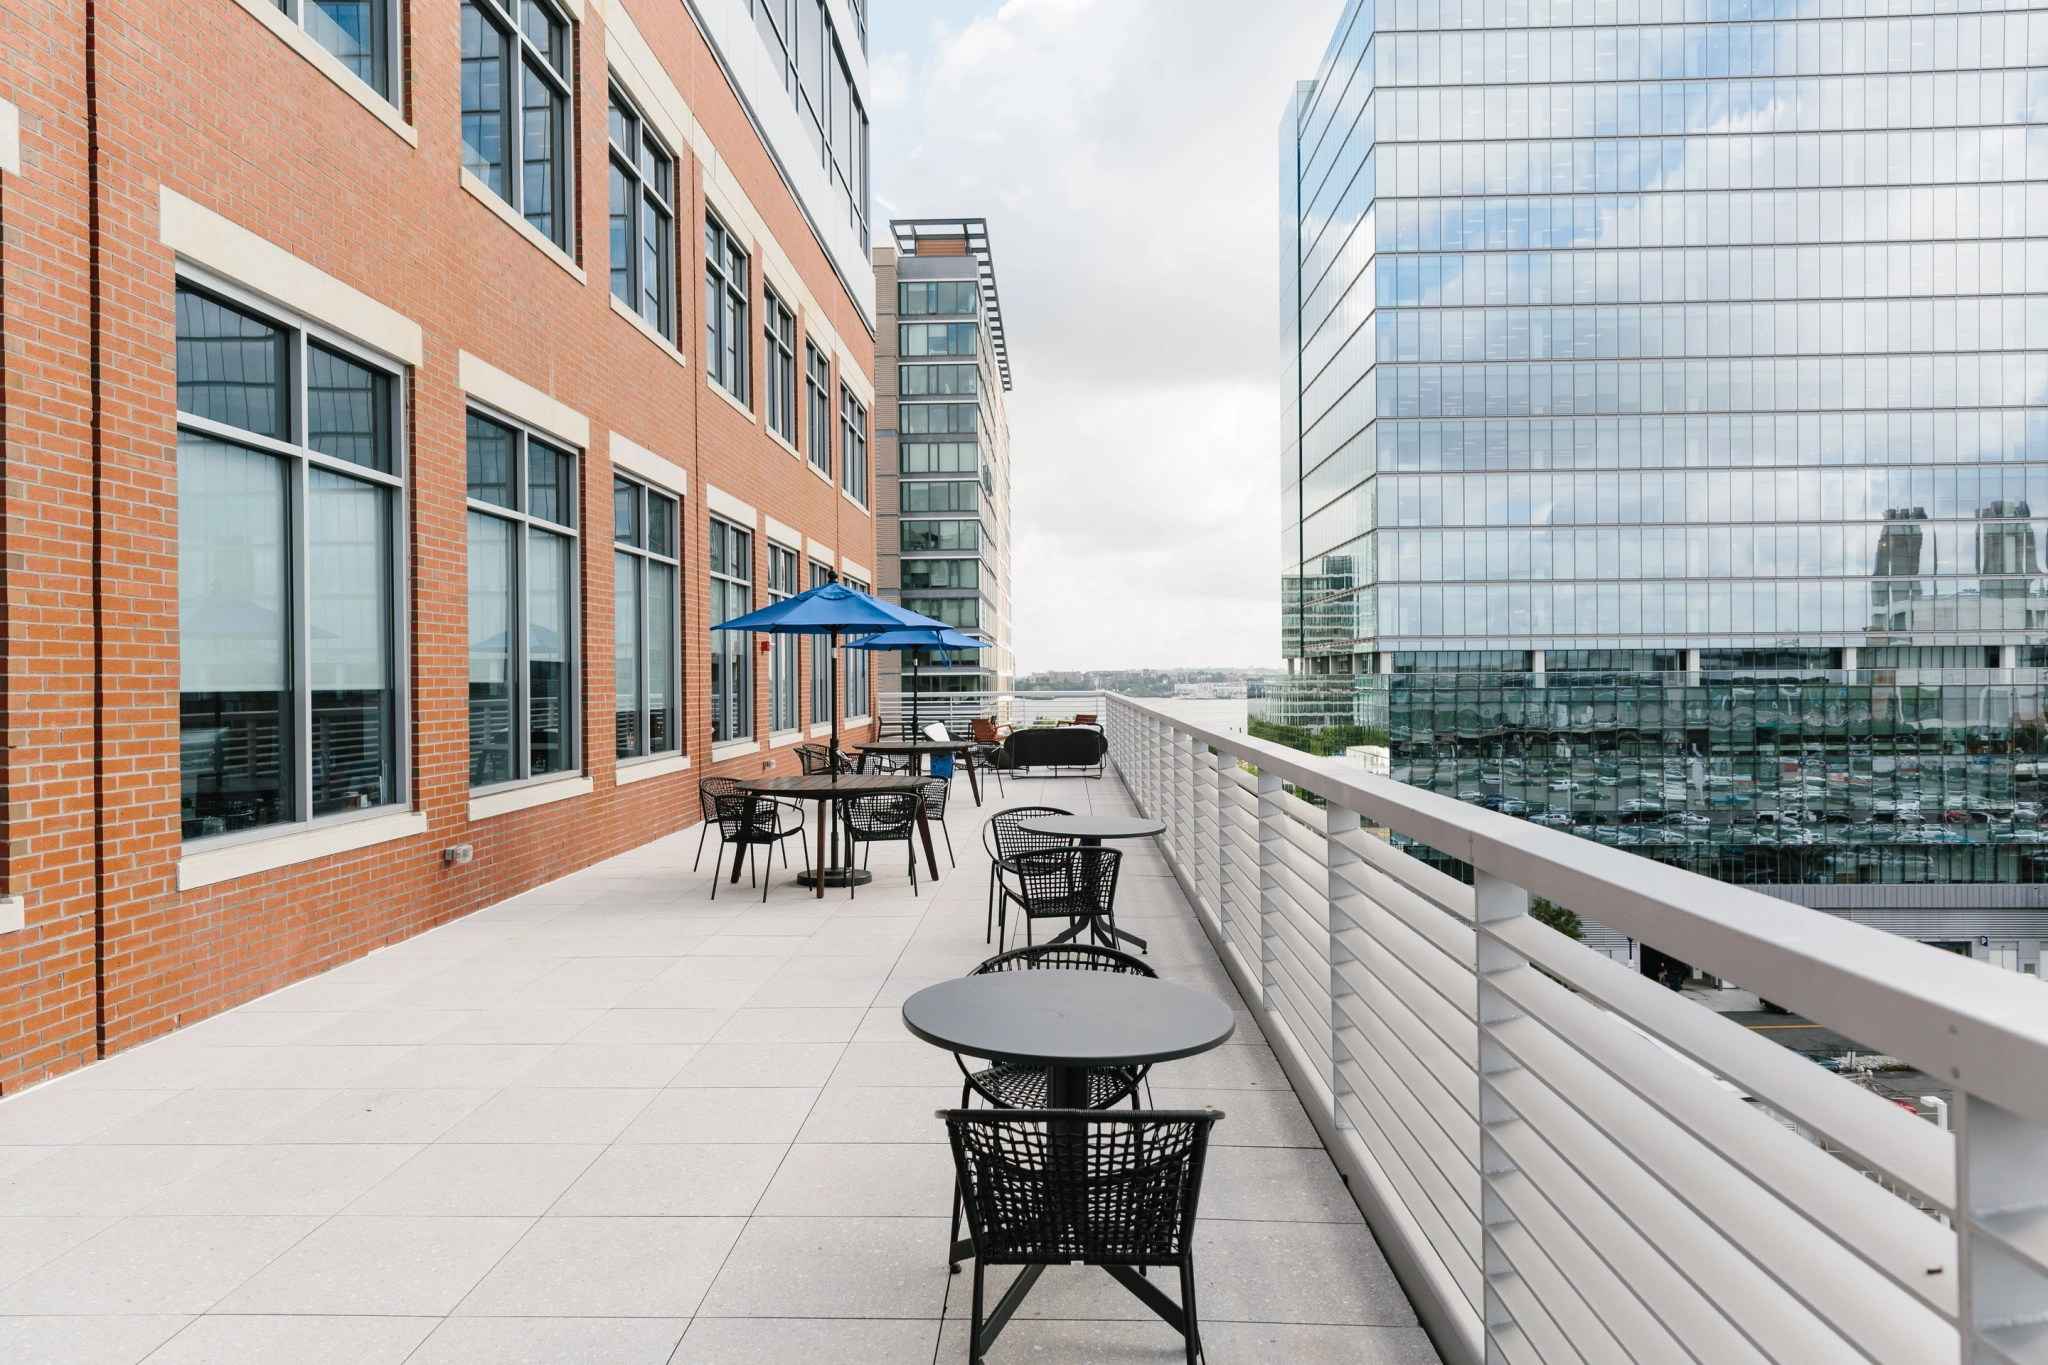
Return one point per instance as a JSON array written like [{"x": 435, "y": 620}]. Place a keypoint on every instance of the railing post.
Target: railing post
[
  {"x": 1494, "y": 901},
  {"x": 1184, "y": 752},
  {"x": 1269, "y": 833},
  {"x": 1337, "y": 853},
  {"x": 1207, "y": 868},
  {"x": 2001, "y": 1177}
]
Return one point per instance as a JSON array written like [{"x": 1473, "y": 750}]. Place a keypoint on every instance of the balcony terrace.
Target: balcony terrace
[{"x": 613, "y": 1120}]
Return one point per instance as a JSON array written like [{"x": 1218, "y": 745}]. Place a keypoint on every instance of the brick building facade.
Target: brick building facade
[{"x": 394, "y": 225}]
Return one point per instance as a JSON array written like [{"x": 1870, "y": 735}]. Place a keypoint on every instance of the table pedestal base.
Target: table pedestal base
[{"x": 837, "y": 876}]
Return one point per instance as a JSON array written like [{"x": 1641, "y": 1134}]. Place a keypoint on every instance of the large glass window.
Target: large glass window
[
  {"x": 923, "y": 418},
  {"x": 941, "y": 573},
  {"x": 784, "y": 582},
  {"x": 962, "y": 613},
  {"x": 916, "y": 297},
  {"x": 935, "y": 338},
  {"x": 956, "y": 495},
  {"x": 732, "y": 667},
  {"x": 778, "y": 354},
  {"x": 646, "y": 619},
  {"x": 522, "y": 598},
  {"x": 853, "y": 666},
  {"x": 821, "y": 656},
  {"x": 288, "y": 494},
  {"x": 914, "y": 380},
  {"x": 359, "y": 32},
  {"x": 939, "y": 457},
  {"x": 853, "y": 446},
  {"x": 643, "y": 229},
  {"x": 515, "y": 108},
  {"x": 940, "y": 535},
  {"x": 818, "y": 398},
  {"x": 725, "y": 310}
]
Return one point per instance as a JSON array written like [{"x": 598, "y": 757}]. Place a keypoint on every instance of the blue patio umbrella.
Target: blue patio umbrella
[
  {"x": 945, "y": 637},
  {"x": 835, "y": 610}
]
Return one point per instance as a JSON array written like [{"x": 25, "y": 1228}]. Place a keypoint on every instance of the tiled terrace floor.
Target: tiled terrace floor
[{"x": 614, "y": 1122}]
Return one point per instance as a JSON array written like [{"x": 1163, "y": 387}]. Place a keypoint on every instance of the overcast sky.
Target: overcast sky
[{"x": 1125, "y": 154}]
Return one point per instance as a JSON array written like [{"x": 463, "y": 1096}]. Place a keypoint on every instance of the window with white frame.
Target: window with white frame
[
  {"x": 778, "y": 357},
  {"x": 821, "y": 655},
  {"x": 818, "y": 396},
  {"x": 516, "y": 131},
  {"x": 522, "y": 604},
  {"x": 725, "y": 310},
  {"x": 646, "y": 620},
  {"x": 784, "y": 582},
  {"x": 853, "y": 666},
  {"x": 732, "y": 667},
  {"x": 361, "y": 33},
  {"x": 853, "y": 446},
  {"x": 290, "y": 494},
  {"x": 643, "y": 225}
]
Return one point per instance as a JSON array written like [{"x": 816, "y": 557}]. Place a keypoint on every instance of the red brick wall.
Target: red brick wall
[{"x": 199, "y": 96}]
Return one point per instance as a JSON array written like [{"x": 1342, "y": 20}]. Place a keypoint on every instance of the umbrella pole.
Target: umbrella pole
[
  {"x": 915, "y": 733},
  {"x": 832, "y": 667}
]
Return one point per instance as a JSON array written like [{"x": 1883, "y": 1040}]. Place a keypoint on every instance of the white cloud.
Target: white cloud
[{"x": 1124, "y": 153}]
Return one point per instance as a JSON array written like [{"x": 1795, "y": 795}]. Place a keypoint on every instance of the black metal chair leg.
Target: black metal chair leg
[
  {"x": 1191, "y": 1332},
  {"x": 974, "y": 1356},
  {"x": 949, "y": 844},
  {"x": 703, "y": 829},
  {"x": 717, "y": 865}
]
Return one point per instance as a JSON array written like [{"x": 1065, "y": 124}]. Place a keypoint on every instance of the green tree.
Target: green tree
[{"x": 1558, "y": 918}]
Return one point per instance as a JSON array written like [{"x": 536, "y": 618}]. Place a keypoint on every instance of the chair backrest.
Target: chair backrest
[
  {"x": 880, "y": 816},
  {"x": 709, "y": 789},
  {"x": 1128, "y": 1197},
  {"x": 1084, "y": 720},
  {"x": 1068, "y": 881},
  {"x": 937, "y": 732},
  {"x": 985, "y": 731},
  {"x": 935, "y": 790},
  {"x": 734, "y": 817},
  {"x": 1003, "y": 839},
  {"x": 1071, "y": 957},
  {"x": 815, "y": 758}
]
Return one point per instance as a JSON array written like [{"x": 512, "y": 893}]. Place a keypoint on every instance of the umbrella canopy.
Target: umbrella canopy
[
  {"x": 833, "y": 609},
  {"x": 943, "y": 638}
]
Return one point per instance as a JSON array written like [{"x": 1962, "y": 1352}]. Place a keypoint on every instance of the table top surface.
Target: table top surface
[
  {"x": 1068, "y": 1018},
  {"x": 824, "y": 786},
  {"x": 1092, "y": 826},
  {"x": 921, "y": 746}
]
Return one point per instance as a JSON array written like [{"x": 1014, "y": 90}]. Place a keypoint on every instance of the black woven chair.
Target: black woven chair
[
  {"x": 935, "y": 791},
  {"x": 707, "y": 790},
  {"x": 1073, "y": 884},
  {"x": 1117, "y": 1189},
  {"x": 817, "y": 759},
  {"x": 1007, "y": 1086},
  {"x": 751, "y": 822},
  {"x": 882, "y": 818},
  {"x": 1003, "y": 840}
]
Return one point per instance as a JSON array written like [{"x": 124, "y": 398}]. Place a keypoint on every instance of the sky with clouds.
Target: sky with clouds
[{"x": 1125, "y": 155}]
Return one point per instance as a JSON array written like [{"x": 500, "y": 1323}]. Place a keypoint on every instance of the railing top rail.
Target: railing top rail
[{"x": 1984, "y": 1029}]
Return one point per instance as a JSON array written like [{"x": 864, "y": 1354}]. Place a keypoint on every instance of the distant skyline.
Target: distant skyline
[{"x": 1123, "y": 152}]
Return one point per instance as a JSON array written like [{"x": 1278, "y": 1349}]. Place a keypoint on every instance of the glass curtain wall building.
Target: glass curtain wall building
[
  {"x": 942, "y": 522},
  {"x": 1665, "y": 385}
]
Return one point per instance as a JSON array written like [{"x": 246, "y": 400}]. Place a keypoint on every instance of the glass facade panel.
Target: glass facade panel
[
  {"x": 1706, "y": 352},
  {"x": 234, "y": 642}
]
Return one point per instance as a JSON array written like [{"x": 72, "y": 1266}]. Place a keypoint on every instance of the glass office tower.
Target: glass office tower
[{"x": 1665, "y": 385}]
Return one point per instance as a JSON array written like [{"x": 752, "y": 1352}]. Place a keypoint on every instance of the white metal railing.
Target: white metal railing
[
  {"x": 1564, "y": 1160},
  {"x": 955, "y": 709}
]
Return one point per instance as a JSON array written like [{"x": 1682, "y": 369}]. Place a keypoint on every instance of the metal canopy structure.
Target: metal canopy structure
[{"x": 974, "y": 231}]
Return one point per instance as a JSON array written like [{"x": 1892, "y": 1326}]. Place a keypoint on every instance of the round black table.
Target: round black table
[
  {"x": 1091, "y": 830},
  {"x": 1068, "y": 1022}
]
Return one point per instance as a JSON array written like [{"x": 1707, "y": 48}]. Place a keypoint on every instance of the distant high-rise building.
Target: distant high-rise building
[
  {"x": 942, "y": 447},
  {"x": 1665, "y": 393}
]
